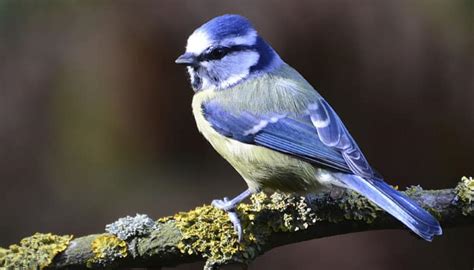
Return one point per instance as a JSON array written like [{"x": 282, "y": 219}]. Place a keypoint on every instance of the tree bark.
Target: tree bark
[{"x": 206, "y": 234}]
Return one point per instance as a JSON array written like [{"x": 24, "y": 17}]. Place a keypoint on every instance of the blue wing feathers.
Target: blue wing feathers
[
  {"x": 422, "y": 215},
  {"x": 299, "y": 136},
  {"x": 227, "y": 124},
  {"x": 333, "y": 133},
  {"x": 326, "y": 123},
  {"x": 310, "y": 155},
  {"x": 296, "y": 137},
  {"x": 396, "y": 203}
]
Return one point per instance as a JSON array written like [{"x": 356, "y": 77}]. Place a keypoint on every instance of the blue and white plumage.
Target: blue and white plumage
[{"x": 271, "y": 125}]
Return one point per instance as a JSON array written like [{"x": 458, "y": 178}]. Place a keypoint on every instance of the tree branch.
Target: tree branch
[{"x": 206, "y": 234}]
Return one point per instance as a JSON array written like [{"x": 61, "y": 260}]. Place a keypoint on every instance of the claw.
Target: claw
[
  {"x": 234, "y": 218},
  {"x": 229, "y": 206}
]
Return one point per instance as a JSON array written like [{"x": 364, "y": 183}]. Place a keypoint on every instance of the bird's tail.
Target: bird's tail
[{"x": 396, "y": 203}]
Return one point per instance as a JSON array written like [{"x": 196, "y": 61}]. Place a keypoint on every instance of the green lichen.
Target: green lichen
[
  {"x": 422, "y": 196},
  {"x": 465, "y": 195},
  {"x": 159, "y": 241},
  {"x": 107, "y": 248},
  {"x": 286, "y": 212},
  {"x": 34, "y": 252},
  {"x": 207, "y": 231},
  {"x": 358, "y": 207},
  {"x": 413, "y": 190}
]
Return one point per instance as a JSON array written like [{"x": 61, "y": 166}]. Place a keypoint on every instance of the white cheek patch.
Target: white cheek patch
[
  {"x": 235, "y": 67},
  {"x": 198, "y": 42}
]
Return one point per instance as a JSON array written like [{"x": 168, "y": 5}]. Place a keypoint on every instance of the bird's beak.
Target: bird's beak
[{"x": 187, "y": 59}]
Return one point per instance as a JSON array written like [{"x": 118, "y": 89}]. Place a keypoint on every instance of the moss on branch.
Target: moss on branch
[{"x": 206, "y": 233}]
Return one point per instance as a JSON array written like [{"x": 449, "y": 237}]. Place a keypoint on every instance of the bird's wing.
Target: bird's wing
[
  {"x": 293, "y": 135},
  {"x": 317, "y": 136},
  {"x": 334, "y": 134}
]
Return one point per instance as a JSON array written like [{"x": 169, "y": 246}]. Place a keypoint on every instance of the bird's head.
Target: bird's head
[{"x": 224, "y": 52}]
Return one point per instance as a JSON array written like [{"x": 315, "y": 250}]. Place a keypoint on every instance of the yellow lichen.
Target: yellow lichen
[
  {"x": 34, "y": 252},
  {"x": 465, "y": 194},
  {"x": 107, "y": 248},
  {"x": 164, "y": 219},
  {"x": 207, "y": 231}
]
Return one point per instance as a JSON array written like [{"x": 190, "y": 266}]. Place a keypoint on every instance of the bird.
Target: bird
[{"x": 274, "y": 128}]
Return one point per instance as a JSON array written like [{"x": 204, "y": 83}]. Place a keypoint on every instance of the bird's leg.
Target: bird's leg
[{"x": 229, "y": 206}]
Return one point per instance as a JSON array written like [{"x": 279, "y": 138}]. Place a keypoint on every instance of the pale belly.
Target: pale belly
[{"x": 262, "y": 168}]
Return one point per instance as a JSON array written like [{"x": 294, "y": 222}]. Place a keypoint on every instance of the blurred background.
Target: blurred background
[{"x": 96, "y": 123}]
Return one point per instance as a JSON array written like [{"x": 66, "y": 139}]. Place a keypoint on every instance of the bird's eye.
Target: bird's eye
[{"x": 217, "y": 53}]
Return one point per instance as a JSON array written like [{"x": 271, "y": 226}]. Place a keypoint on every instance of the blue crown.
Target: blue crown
[{"x": 227, "y": 26}]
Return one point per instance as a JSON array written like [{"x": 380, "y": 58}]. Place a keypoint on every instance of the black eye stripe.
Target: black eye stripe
[
  {"x": 219, "y": 52},
  {"x": 241, "y": 47}
]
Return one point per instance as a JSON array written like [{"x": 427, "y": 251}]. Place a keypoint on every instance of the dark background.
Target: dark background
[{"x": 95, "y": 117}]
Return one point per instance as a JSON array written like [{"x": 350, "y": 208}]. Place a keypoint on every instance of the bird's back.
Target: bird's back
[{"x": 282, "y": 90}]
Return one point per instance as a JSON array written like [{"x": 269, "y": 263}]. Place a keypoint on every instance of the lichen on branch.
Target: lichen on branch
[
  {"x": 205, "y": 233},
  {"x": 34, "y": 252},
  {"x": 465, "y": 194}
]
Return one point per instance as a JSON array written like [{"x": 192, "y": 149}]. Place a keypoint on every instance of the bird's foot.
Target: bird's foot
[
  {"x": 229, "y": 207},
  {"x": 224, "y": 204}
]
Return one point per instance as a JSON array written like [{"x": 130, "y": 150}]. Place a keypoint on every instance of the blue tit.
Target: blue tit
[{"x": 274, "y": 128}]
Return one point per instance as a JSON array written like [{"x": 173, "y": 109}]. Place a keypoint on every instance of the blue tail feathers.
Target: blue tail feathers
[{"x": 396, "y": 203}]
